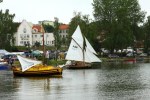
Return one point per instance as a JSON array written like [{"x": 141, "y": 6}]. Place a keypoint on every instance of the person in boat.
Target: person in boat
[{"x": 10, "y": 61}]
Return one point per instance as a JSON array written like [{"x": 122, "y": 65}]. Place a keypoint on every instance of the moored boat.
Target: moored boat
[
  {"x": 77, "y": 65},
  {"x": 80, "y": 54},
  {"x": 30, "y": 67},
  {"x": 130, "y": 60}
]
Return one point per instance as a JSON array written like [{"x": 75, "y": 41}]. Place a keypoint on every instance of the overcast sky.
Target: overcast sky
[{"x": 38, "y": 10}]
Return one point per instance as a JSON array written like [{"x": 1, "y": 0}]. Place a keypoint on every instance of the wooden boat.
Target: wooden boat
[
  {"x": 31, "y": 67},
  {"x": 78, "y": 65},
  {"x": 130, "y": 60},
  {"x": 80, "y": 52}
]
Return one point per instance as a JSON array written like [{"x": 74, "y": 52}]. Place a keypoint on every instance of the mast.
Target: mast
[
  {"x": 43, "y": 46},
  {"x": 83, "y": 49}
]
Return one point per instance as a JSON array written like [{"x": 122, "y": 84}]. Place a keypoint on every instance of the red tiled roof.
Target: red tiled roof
[
  {"x": 63, "y": 27},
  {"x": 39, "y": 28}
]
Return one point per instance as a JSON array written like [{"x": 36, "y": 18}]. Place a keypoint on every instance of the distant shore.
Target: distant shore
[{"x": 122, "y": 59}]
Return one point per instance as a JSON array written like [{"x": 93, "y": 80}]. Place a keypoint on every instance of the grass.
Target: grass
[{"x": 54, "y": 62}]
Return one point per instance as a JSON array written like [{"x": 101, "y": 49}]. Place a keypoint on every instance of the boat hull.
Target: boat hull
[
  {"x": 79, "y": 65},
  {"x": 49, "y": 71}
]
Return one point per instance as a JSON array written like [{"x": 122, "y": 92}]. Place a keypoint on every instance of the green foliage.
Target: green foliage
[
  {"x": 88, "y": 29},
  {"x": 81, "y": 20},
  {"x": 146, "y": 28},
  {"x": 55, "y": 63},
  {"x": 56, "y": 34},
  {"x": 7, "y": 29},
  {"x": 119, "y": 20},
  {"x": 19, "y": 48},
  {"x": 48, "y": 28},
  {"x": 37, "y": 44}
]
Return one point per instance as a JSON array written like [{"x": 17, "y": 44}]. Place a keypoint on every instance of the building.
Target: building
[
  {"x": 23, "y": 36},
  {"x": 63, "y": 30},
  {"x": 37, "y": 35},
  {"x": 46, "y": 22},
  {"x": 27, "y": 34}
]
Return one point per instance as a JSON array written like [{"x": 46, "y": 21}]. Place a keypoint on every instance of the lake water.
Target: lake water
[{"x": 106, "y": 82}]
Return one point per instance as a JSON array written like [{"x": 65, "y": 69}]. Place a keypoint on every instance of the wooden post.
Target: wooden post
[{"x": 43, "y": 49}]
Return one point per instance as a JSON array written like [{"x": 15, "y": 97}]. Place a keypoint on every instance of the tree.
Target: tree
[
  {"x": 119, "y": 20},
  {"x": 56, "y": 34},
  {"x": 37, "y": 44},
  {"x": 87, "y": 26},
  {"x": 1, "y": 1},
  {"x": 7, "y": 29},
  {"x": 146, "y": 27},
  {"x": 75, "y": 21},
  {"x": 57, "y": 38},
  {"x": 48, "y": 28},
  {"x": 82, "y": 21}
]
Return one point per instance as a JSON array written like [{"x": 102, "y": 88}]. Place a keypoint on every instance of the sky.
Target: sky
[{"x": 39, "y": 10}]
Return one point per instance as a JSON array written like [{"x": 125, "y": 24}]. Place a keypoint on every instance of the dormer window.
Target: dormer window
[
  {"x": 34, "y": 30},
  {"x": 24, "y": 30}
]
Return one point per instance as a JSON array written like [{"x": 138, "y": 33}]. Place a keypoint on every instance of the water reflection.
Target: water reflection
[
  {"x": 124, "y": 82},
  {"x": 111, "y": 81}
]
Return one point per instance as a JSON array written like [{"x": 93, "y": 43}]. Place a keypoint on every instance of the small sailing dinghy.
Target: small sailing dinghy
[
  {"x": 80, "y": 53},
  {"x": 30, "y": 67}
]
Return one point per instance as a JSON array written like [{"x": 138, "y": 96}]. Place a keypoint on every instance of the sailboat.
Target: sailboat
[
  {"x": 30, "y": 67},
  {"x": 80, "y": 53}
]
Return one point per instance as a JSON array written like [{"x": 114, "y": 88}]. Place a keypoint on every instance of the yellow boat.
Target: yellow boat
[{"x": 35, "y": 68}]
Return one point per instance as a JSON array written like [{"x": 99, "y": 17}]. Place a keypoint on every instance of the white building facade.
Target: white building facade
[
  {"x": 26, "y": 35},
  {"x": 63, "y": 30},
  {"x": 48, "y": 38},
  {"x": 23, "y": 35}
]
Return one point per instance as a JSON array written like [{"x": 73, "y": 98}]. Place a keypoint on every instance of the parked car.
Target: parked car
[
  {"x": 113, "y": 56},
  {"x": 143, "y": 55},
  {"x": 129, "y": 54}
]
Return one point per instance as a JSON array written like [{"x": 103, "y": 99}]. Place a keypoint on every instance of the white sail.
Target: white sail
[
  {"x": 77, "y": 37},
  {"x": 89, "y": 46},
  {"x": 75, "y": 51},
  {"x": 27, "y": 63},
  {"x": 92, "y": 57}
]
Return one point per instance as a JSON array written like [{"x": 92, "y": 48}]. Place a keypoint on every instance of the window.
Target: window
[
  {"x": 24, "y": 30},
  {"x": 28, "y": 36},
  {"x": 59, "y": 31},
  {"x": 21, "y": 42},
  {"x": 35, "y": 30}
]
